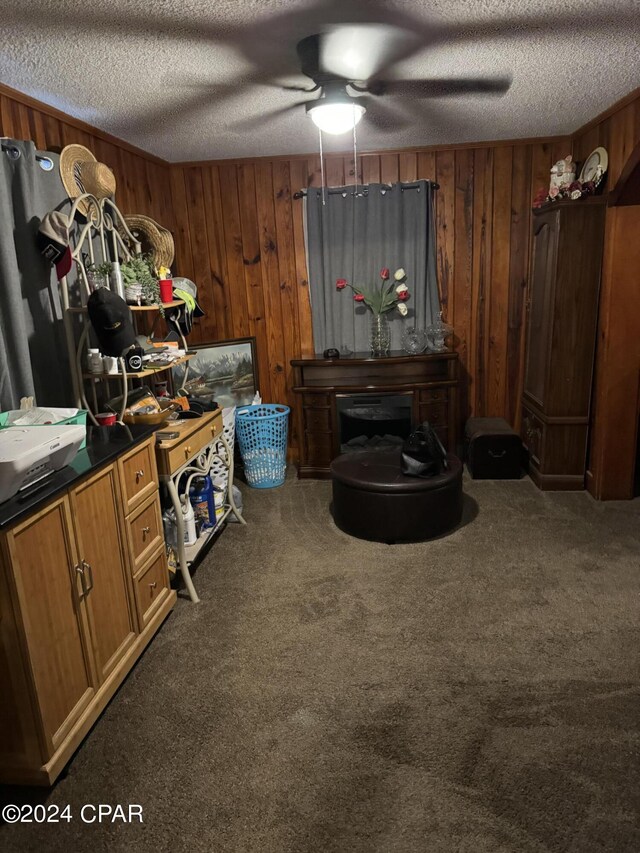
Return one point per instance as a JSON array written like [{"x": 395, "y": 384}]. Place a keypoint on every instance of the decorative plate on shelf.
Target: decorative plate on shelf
[{"x": 595, "y": 166}]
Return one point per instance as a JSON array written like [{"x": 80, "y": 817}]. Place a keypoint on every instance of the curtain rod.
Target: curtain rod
[
  {"x": 13, "y": 150},
  {"x": 365, "y": 190}
]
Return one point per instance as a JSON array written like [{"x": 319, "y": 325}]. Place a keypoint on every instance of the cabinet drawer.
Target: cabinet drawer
[
  {"x": 138, "y": 476},
  {"x": 317, "y": 420},
  {"x": 437, "y": 395},
  {"x": 436, "y": 413},
  {"x": 316, "y": 400},
  {"x": 190, "y": 446},
  {"x": 144, "y": 530},
  {"x": 152, "y": 586},
  {"x": 319, "y": 448}
]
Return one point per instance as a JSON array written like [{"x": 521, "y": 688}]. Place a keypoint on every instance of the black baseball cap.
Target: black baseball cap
[{"x": 112, "y": 322}]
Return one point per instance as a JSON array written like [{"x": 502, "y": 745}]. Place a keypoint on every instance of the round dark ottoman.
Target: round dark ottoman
[{"x": 373, "y": 499}]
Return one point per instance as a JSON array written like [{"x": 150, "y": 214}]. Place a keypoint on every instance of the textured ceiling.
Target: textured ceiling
[{"x": 180, "y": 78}]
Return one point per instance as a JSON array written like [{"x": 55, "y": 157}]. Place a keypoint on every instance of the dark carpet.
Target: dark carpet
[{"x": 477, "y": 693}]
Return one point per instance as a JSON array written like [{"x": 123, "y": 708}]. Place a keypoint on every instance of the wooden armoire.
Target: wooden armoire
[{"x": 562, "y": 316}]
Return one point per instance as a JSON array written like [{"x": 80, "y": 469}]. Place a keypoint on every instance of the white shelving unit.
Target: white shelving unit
[
  {"x": 198, "y": 465},
  {"x": 101, "y": 241}
]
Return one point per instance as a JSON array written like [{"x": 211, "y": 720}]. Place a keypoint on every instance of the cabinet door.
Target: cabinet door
[
  {"x": 43, "y": 557},
  {"x": 105, "y": 574},
  {"x": 540, "y": 307}
]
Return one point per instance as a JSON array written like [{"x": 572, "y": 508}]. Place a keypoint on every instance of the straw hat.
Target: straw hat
[
  {"x": 82, "y": 173},
  {"x": 155, "y": 240}
]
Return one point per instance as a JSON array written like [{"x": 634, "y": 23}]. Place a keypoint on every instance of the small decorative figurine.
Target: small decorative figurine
[{"x": 563, "y": 173}]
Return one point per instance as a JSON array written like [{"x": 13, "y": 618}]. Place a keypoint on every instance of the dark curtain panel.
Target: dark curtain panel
[
  {"x": 354, "y": 237},
  {"x": 33, "y": 355}
]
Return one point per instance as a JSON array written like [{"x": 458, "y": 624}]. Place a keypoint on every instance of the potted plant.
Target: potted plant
[
  {"x": 98, "y": 275},
  {"x": 139, "y": 271}
]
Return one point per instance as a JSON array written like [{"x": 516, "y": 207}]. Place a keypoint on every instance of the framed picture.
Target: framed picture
[{"x": 225, "y": 371}]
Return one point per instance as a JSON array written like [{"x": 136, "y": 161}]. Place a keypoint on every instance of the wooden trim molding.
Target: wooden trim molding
[
  {"x": 603, "y": 116},
  {"x": 42, "y": 107},
  {"x": 339, "y": 155},
  {"x": 627, "y": 189}
]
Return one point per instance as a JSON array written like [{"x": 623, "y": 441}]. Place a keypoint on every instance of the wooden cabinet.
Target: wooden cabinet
[
  {"x": 53, "y": 616},
  {"x": 73, "y": 620},
  {"x": 429, "y": 380},
  {"x": 193, "y": 436},
  {"x": 102, "y": 572},
  {"x": 561, "y": 339}
]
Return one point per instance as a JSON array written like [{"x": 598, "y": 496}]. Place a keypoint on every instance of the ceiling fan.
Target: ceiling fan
[
  {"x": 348, "y": 49},
  {"x": 344, "y": 65}
]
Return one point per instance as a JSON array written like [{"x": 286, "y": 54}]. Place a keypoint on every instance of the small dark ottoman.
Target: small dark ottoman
[
  {"x": 492, "y": 449},
  {"x": 373, "y": 499}
]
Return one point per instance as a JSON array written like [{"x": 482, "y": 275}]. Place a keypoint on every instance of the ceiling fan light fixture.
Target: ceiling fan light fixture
[{"x": 336, "y": 117}]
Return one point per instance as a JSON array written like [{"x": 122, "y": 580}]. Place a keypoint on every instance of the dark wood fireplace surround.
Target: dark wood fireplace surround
[{"x": 431, "y": 379}]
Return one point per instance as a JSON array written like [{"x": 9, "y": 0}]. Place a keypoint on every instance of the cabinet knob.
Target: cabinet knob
[
  {"x": 153, "y": 585},
  {"x": 139, "y": 474},
  {"x": 146, "y": 531},
  {"x": 187, "y": 450}
]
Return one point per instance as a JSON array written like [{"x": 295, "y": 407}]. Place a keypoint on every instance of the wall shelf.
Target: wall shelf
[
  {"x": 149, "y": 371},
  {"x": 82, "y": 309}
]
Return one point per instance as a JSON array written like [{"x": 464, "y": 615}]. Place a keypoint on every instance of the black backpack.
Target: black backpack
[{"x": 422, "y": 453}]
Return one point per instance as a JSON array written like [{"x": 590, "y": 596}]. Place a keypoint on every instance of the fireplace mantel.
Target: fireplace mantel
[{"x": 430, "y": 378}]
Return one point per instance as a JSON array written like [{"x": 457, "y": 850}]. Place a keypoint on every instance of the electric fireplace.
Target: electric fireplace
[{"x": 373, "y": 421}]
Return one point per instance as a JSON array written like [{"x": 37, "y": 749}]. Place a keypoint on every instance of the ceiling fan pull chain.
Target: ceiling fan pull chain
[{"x": 321, "y": 166}]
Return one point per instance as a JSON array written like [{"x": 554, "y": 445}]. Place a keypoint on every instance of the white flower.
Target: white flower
[
  {"x": 402, "y": 308},
  {"x": 399, "y": 274},
  {"x": 401, "y": 288},
  {"x": 576, "y": 194}
]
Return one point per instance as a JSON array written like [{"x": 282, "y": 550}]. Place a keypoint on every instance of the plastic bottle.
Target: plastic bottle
[
  {"x": 201, "y": 495},
  {"x": 94, "y": 361},
  {"x": 218, "y": 497},
  {"x": 189, "y": 520}
]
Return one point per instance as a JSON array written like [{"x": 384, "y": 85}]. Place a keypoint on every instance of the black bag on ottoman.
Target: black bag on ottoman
[{"x": 493, "y": 450}]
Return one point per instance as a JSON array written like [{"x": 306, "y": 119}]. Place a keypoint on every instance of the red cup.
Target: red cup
[
  {"x": 106, "y": 418},
  {"x": 166, "y": 290}
]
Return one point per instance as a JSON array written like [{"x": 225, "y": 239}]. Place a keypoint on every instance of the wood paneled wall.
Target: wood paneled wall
[
  {"x": 142, "y": 180},
  {"x": 617, "y": 387},
  {"x": 240, "y": 236}
]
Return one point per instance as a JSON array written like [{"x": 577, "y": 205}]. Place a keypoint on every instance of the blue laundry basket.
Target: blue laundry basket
[{"x": 262, "y": 437}]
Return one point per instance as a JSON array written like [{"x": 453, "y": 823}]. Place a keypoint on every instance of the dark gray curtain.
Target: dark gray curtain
[
  {"x": 33, "y": 356},
  {"x": 354, "y": 237}
]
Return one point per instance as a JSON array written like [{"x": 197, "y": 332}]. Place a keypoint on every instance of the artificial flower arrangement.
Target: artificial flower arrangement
[
  {"x": 574, "y": 190},
  {"x": 383, "y": 299}
]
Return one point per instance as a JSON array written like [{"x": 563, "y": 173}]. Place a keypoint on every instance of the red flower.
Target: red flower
[
  {"x": 341, "y": 283},
  {"x": 384, "y": 273},
  {"x": 403, "y": 296},
  {"x": 359, "y": 297}
]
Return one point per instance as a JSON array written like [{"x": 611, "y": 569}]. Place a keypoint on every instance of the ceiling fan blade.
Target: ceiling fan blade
[
  {"x": 360, "y": 51},
  {"x": 382, "y": 116},
  {"x": 441, "y": 119},
  {"x": 257, "y": 122},
  {"x": 182, "y": 109},
  {"x": 442, "y": 88}
]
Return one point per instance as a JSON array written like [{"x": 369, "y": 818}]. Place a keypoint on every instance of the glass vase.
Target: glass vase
[{"x": 380, "y": 338}]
